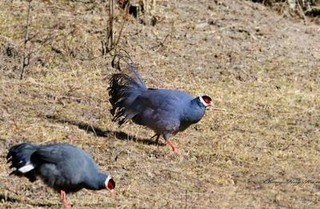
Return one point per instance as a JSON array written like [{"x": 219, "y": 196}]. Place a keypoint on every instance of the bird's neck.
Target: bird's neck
[
  {"x": 196, "y": 101},
  {"x": 197, "y": 104},
  {"x": 96, "y": 182},
  {"x": 195, "y": 111}
]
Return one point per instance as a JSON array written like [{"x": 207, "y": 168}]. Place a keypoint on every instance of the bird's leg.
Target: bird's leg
[
  {"x": 174, "y": 149},
  {"x": 63, "y": 197},
  {"x": 157, "y": 139}
]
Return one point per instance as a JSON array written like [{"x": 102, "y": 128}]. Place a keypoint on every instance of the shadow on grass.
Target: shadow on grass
[
  {"x": 103, "y": 133},
  {"x": 47, "y": 205},
  {"x": 4, "y": 198}
]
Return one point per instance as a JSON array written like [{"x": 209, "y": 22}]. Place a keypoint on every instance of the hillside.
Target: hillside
[{"x": 257, "y": 148}]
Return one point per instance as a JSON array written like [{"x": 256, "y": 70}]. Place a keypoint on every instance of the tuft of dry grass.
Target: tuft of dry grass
[{"x": 260, "y": 151}]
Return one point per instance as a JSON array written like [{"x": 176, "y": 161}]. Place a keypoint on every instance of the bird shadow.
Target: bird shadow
[
  {"x": 5, "y": 198},
  {"x": 47, "y": 205},
  {"x": 120, "y": 135}
]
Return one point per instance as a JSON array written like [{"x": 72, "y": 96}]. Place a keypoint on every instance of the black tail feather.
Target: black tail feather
[
  {"x": 123, "y": 62},
  {"x": 18, "y": 156},
  {"x": 124, "y": 88}
]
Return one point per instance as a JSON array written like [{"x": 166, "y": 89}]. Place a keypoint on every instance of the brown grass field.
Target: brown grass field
[{"x": 259, "y": 147}]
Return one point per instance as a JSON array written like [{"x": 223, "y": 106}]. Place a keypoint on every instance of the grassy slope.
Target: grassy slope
[{"x": 262, "y": 69}]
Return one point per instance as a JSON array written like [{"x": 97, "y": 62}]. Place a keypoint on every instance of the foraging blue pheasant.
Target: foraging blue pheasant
[
  {"x": 63, "y": 167},
  {"x": 165, "y": 111}
]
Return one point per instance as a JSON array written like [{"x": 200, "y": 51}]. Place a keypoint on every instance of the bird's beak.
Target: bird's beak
[
  {"x": 110, "y": 183},
  {"x": 110, "y": 190},
  {"x": 209, "y": 105}
]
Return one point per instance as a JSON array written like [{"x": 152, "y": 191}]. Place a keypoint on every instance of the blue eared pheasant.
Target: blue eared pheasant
[
  {"x": 165, "y": 111},
  {"x": 63, "y": 167}
]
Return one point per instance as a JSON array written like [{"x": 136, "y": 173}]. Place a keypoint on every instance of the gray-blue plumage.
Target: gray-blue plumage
[
  {"x": 60, "y": 166},
  {"x": 165, "y": 111}
]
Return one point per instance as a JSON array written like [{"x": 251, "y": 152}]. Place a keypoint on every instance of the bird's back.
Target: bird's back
[{"x": 164, "y": 99}]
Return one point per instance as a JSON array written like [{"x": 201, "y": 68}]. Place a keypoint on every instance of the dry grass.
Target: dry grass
[{"x": 261, "y": 69}]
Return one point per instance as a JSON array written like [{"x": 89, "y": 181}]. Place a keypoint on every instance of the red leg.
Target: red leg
[
  {"x": 63, "y": 197},
  {"x": 172, "y": 146}
]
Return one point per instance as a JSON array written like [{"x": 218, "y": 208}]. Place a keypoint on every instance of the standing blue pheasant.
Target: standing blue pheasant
[{"x": 165, "y": 111}]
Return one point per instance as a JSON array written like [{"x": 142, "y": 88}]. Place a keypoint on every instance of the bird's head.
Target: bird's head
[
  {"x": 110, "y": 183},
  {"x": 205, "y": 100}
]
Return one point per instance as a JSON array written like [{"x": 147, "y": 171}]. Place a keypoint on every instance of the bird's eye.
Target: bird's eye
[
  {"x": 206, "y": 99},
  {"x": 111, "y": 184}
]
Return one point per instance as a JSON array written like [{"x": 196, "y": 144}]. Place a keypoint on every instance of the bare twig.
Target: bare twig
[
  {"x": 120, "y": 34},
  {"x": 108, "y": 44},
  {"x": 219, "y": 109},
  {"x": 112, "y": 42},
  {"x": 160, "y": 44},
  {"x": 110, "y": 29},
  {"x": 26, "y": 56}
]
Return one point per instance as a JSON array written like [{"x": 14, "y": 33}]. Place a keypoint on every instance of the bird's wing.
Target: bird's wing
[
  {"x": 147, "y": 105},
  {"x": 159, "y": 109},
  {"x": 49, "y": 153}
]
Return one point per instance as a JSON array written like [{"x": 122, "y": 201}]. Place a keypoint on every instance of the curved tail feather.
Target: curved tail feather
[
  {"x": 123, "y": 62},
  {"x": 124, "y": 88}
]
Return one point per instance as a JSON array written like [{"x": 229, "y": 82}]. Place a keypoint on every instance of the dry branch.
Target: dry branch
[{"x": 26, "y": 56}]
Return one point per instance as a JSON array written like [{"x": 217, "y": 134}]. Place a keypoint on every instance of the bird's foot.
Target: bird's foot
[
  {"x": 63, "y": 197},
  {"x": 66, "y": 204},
  {"x": 170, "y": 144}
]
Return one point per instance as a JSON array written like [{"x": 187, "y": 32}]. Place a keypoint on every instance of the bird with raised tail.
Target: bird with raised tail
[
  {"x": 165, "y": 111},
  {"x": 63, "y": 167}
]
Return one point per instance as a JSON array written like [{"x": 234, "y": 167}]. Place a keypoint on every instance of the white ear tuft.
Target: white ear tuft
[
  {"x": 107, "y": 180},
  {"x": 202, "y": 101}
]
